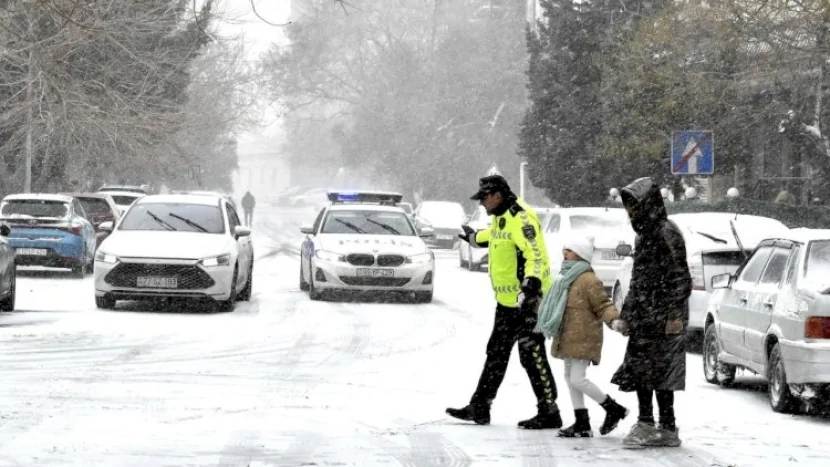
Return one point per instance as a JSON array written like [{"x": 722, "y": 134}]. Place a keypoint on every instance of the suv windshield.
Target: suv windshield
[
  {"x": 174, "y": 217},
  {"x": 35, "y": 208},
  {"x": 367, "y": 222},
  {"x": 817, "y": 266}
]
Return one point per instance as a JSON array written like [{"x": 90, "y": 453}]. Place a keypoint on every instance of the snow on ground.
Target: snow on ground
[{"x": 289, "y": 382}]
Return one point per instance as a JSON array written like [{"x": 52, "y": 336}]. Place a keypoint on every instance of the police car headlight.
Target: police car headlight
[
  {"x": 105, "y": 257},
  {"x": 328, "y": 255},
  {"x": 420, "y": 259},
  {"x": 221, "y": 260}
]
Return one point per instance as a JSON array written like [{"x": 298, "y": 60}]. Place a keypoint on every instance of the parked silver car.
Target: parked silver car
[{"x": 773, "y": 318}]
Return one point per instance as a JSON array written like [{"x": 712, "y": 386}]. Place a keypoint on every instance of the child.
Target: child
[{"x": 572, "y": 313}]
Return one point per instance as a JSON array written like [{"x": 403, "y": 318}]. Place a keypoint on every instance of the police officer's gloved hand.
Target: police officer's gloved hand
[
  {"x": 469, "y": 234},
  {"x": 531, "y": 293}
]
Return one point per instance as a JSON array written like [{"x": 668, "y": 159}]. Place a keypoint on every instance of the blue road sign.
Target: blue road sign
[{"x": 693, "y": 152}]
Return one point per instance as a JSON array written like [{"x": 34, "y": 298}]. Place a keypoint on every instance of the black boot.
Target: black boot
[
  {"x": 581, "y": 428},
  {"x": 478, "y": 413},
  {"x": 614, "y": 412},
  {"x": 548, "y": 417}
]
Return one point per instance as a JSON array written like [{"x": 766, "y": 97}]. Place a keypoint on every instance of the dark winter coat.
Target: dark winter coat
[
  {"x": 248, "y": 201},
  {"x": 659, "y": 292}
]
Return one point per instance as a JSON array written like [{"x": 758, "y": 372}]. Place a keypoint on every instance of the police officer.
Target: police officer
[{"x": 519, "y": 272}]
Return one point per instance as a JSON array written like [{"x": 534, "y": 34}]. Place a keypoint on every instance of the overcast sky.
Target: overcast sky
[{"x": 239, "y": 17}]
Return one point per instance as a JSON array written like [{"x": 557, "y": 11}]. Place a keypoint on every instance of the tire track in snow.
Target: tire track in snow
[{"x": 425, "y": 449}]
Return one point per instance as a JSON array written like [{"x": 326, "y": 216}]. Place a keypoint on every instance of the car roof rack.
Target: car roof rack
[{"x": 364, "y": 197}]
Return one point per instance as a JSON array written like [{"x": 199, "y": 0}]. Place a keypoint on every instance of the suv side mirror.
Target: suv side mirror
[
  {"x": 5, "y": 230},
  {"x": 624, "y": 249},
  {"x": 241, "y": 231},
  {"x": 307, "y": 229},
  {"x": 722, "y": 281},
  {"x": 105, "y": 226}
]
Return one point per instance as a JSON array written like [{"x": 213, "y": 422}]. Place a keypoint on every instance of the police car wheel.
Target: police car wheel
[{"x": 423, "y": 297}]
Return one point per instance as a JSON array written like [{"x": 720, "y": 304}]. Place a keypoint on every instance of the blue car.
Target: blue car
[{"x": 49, "y": 230}]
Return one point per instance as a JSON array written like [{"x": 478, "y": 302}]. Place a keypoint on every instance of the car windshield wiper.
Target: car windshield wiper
[
  {"x": 350, "y": 225},
  {"x": 188, "y": 222},
  {"x": 387, "y": 227},
  {"x": 712, "y": 237},
  {"x": 160, "y": 221}
]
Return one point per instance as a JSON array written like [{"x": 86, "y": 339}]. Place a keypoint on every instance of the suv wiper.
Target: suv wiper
[
  {"x": 712, "y": 237},
  {"x": 160, "y": 221},
  {"x": 350, "y": 225},
  {"x": 187, "y": 221},
  {"x": 387, "y": 227}
]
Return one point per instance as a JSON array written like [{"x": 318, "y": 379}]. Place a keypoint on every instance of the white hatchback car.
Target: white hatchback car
[
  {"x": 773, "y": 318},
  {"x": 608, "y": 226},
  {"x": 176, "y": 246},
  {"x": 711, "y": 249},
  {"x": 365, "y": 242}
]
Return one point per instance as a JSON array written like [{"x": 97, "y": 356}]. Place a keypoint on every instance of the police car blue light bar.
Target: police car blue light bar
[{"x": 372, "y": 197}]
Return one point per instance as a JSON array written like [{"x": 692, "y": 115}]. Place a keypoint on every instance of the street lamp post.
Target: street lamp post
[{"x": 522, "y": 179}]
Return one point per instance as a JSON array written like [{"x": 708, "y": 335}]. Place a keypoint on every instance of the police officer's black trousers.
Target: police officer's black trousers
[{"x": 511, "y": 326}]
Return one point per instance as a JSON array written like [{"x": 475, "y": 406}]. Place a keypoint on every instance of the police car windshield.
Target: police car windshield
[{"x": 367, "y": 223}]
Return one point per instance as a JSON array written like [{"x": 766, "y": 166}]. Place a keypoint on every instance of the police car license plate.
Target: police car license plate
[
  {"x": 158, "y": 282},
  {"x": 32, "y": 251},
  {"x": 368, "y": 272}
]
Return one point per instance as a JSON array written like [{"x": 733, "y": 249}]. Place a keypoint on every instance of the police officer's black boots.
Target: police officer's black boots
[
  {"x": 547, "y": 418},
  {"x": 478, "y": 413}
]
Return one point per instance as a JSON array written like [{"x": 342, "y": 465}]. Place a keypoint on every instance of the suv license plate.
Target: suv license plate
[
  {"x": 367, "y": 272},
  {"x": 611, "y": 256},
  {"x": 158, "y": 282},
  {"x": 32, "y": 251}
]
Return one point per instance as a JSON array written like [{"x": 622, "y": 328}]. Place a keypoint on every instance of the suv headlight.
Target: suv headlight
[
  {"x": 420, "y": 259},
  {"x": 221, "y": 260},
  {"x": 328, "y": 255},
  {"x": 105, "y": 257}
]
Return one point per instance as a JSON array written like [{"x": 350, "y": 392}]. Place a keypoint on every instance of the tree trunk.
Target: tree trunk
[{"x": 29, "y": 147}]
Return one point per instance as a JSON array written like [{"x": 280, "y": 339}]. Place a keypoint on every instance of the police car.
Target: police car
[{"x": 364, "y": 241}]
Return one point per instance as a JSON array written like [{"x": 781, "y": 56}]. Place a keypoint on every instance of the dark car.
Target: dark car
[{"x": 99, "y": 208}]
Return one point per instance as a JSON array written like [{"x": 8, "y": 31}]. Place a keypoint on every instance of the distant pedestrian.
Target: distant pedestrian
[
  {"x": 248, "y": 204},
  {"x": 572, "y": 313},
  {"x": 654, "y": 315}
]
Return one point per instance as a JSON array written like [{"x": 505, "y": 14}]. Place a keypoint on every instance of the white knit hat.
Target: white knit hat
[{"x": 583, "y": 246}]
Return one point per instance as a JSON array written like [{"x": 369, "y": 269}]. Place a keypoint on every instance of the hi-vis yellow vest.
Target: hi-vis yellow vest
[{"x": 516, "y": 249}]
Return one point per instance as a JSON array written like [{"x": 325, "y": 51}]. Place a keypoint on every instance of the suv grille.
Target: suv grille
[
  {"x": 358, "y": 259},
  {"x": 376, "y": 281},
  {"x": 188, "y": 277},
  {"x": 390, "y": 260}
]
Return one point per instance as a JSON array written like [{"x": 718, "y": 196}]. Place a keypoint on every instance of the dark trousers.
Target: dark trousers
[
  {"x": 665, "y": 405},
  {"x": 511, "y": 326},
  {"x": 249, "y": 217}
]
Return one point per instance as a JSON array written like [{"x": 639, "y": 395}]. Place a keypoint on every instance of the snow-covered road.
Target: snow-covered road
[{"x": 289, "y": 382}]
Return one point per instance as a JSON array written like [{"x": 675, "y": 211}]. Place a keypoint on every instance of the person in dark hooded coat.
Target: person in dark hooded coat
[{"x": 655, "y": 314}]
